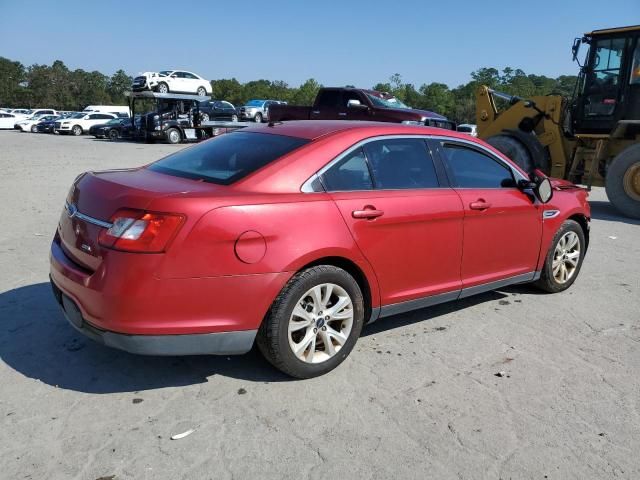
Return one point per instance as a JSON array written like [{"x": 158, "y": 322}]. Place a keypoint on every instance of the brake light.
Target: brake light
[{"x": 140, "y": 231}]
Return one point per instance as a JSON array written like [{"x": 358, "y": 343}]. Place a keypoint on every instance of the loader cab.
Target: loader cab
[{"x": 609, "y": 81}]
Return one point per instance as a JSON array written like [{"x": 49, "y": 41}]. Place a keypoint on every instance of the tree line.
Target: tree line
[{"x": 58, "y": 87}]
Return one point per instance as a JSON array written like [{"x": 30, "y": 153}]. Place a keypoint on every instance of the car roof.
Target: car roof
[{"x": 313, "y": 129}]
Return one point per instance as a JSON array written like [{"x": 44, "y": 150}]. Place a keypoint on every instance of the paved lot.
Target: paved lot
[{"x": 417, "y": 398}]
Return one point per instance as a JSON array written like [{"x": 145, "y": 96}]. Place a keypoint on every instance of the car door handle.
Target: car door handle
[
  {"x": 342, "y": 114},
  {"x": 479, "y": 204},
  {"x": 315, "y": 112},
  {"x": 369, "y": 212}
]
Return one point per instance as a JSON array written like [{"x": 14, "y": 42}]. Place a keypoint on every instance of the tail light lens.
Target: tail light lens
[{"x": 140, "y": 231}]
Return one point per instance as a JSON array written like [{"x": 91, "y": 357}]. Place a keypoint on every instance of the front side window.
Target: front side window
[
  {"x": 401, "y": 163},
  {"x": 350, "y": 174},
  {"x": 469, "y": 168},
  {"x": 635, "y": 66},
  {"x": 227, "y": 158}
]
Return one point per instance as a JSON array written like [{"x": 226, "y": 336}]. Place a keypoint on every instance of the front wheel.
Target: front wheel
[
  {"x": 113, "y": 135},
  {"x": 173, "y": 136},
  {"x": 314, "y": 322},
  {"x": 34, "y": 129},
  {"x": 564, "y": 259},
  {"x": 202, "y": 91},
  {"x": 258, "y": 118},
  {"x": 204, "y": 117},
  {"x": 76, "y": 130},
  {"x": 163, "y": 88},
  {"x": 234, "y": 118}
]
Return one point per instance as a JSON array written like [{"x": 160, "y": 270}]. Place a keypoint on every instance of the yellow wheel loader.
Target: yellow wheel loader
[{"x": 593, "y": 138}]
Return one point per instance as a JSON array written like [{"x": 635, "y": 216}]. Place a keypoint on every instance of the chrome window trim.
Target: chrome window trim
[
  {"x": 306, "y": 186},
  {"x": 73, "y": 212}
]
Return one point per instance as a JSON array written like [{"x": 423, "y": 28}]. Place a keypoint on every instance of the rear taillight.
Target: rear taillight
[{"x": 140, "y": 231}]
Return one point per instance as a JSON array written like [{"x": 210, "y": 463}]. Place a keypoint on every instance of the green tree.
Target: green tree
[{"x": 306, "y": 93}]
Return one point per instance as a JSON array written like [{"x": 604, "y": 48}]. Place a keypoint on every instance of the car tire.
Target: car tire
[
  {"x": 202, "y": 92},
  {"x": 258, "y": 118},
  {"x": 173, "y": 136},
  {"x": 320, "y": 287},
  {"x": 162, "y": 88},
  {"x": 622, "y": 182},
  {"x": 204, "y": 117},
  {"x": 564, "y": 258},
  {"x": 34, "y": 129},
  {"x": 113, "y": 135},
  {"x": 76, "y": 130},
  {"x": 234, "y": 118},
  {"x": 514, "y": 149}
]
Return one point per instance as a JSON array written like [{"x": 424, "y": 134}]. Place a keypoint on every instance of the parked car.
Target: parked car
[
  {"x": 175, "y": 81},
  {"x": 7, "y": 120},
  {"x": 81, "y": 122},
  {"x": 113, "y": 129},
  {"x": 217, "y": 110},
  {"x": 258, "y": 110},
  {"x": 323, "y": 225},
  {"x": 47, "y": 125},
  {"x": 21, "y": 112},
  {"x": 468, "y": 128},
  {"x": 359, "y": 104},
  {"x": 29, "y": 124}
]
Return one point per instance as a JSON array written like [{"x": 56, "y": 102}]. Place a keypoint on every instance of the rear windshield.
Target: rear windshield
[{"x": 227, "y": 158}]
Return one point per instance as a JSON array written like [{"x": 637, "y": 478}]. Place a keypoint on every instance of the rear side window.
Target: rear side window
[
  {"x": 349, "y": 174},
  {"x": 401, "y": 163},
  {"x": 328, "y": 98},
  {"x": 227, "y": 158},
  {"x": 468, "y": 168}
]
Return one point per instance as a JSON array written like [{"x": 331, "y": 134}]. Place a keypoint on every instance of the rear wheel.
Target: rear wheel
[
  {"x": 204, "y": 117},
  {"x": 173, "y": 136},
  {"x": 514, "y": 149},
  {"x": 564, "y": 259},
  {"x": 76, "y": 130},
  {"x": 163, "y": 88},
  {"x": 34, "y": 129},
  {"x": 202, "y": 91},
  {"x": 113, "y": 135},
  {"x": 622, "y": 182},
  {"x": 314, "y": 322}
]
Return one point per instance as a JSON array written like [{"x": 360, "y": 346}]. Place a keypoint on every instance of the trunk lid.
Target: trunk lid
[{"x": 96, "y": 196}]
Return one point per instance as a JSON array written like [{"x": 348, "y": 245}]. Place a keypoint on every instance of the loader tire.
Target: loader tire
[
  {"x": 514, "y": 149},
  {"x": 622, "y": 182}
]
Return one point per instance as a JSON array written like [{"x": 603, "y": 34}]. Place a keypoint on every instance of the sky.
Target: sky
[{"x": 336, "y": 42}]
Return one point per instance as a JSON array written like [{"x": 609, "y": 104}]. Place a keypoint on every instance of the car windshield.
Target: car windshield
[
  {"x": 389, "y": 102},
  {"x": 227, "y": 158},
  {"x": 165, "y": 73},
  {"x": 255, "y": 103},
  {"x": 114, "y": 121},
  {"x": 78, "y": 115}
]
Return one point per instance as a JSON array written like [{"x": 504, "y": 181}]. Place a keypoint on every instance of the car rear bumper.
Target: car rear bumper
[
  {"x": 123, "y": 304},
  {"x": 223, "y": 343}
]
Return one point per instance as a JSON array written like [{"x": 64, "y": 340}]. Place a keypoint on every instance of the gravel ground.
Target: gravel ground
[{"x": 418, "y": 397}]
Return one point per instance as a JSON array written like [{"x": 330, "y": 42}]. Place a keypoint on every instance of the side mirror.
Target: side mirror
[
  {"x": 543, "y": 190},
  {"x": 355, "y": 104}
]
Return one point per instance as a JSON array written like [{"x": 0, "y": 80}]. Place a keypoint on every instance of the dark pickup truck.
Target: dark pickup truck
[{"x": 358, "y": 104}]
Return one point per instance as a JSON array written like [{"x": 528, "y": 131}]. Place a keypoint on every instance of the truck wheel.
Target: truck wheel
[
  {"x": 564, "y": 258},
  {"x": 258, "y": 118},
  {"x": 514, "y": 149},
  {"x": 622, "y": 182},
  {"x": 314, "y": 322},
  {"x": 202, "y": 91},
  {"x": 173, "y": 136},
  {"x": 76, "y": 130},
  {"x": 163, "y": 88}
]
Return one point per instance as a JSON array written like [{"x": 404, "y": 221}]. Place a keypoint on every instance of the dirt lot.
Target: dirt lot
[{"x": 418, "y": 398}]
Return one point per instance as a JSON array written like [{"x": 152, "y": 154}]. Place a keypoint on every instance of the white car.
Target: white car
[
  {"x": 29, "y": 124},
  {"x": 81, "y": 122},
  {"x": 175, "y": 81},
  {"x": 468, "y": 128},
  {"x": 7, "y": 120}
]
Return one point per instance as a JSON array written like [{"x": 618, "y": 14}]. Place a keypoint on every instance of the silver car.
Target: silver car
[{"x": 257, "y": 110}]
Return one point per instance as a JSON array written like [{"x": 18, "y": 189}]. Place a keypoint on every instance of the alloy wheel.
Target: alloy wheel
[
  {"x": 566, "y": 257},
  {"x": 320, "y": 323}
]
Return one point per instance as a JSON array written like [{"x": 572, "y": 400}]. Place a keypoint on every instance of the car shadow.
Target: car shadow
[
  {"x": 604, "y": 210},
  {"x": 36, "y": 341}
]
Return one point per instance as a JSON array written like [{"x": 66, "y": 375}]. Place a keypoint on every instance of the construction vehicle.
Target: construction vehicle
[{"x": 592, "y": 138}]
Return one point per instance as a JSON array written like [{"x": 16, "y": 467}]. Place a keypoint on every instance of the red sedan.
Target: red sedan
[{"x": 295, "y": 235}]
